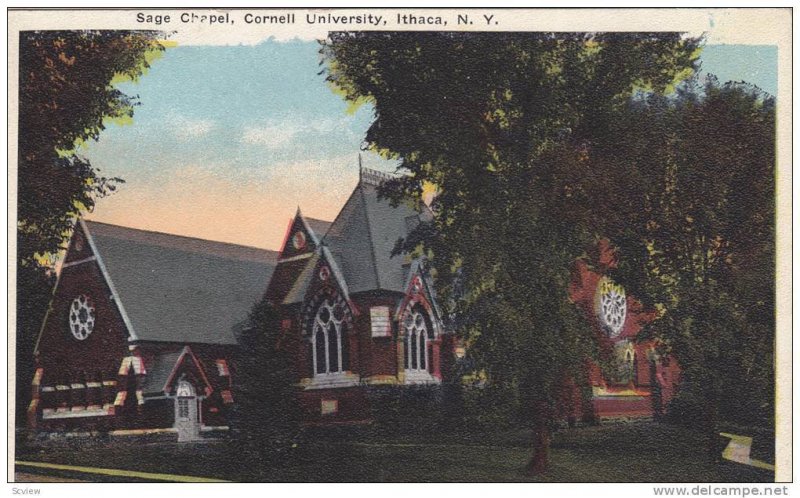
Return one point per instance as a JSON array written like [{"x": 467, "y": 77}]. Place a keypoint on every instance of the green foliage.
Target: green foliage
[
  {"x": 693, "y": 180},
  {"x": 501, "y": 124},
  {"x": 407, "y": 410},
  {"x": 65, "y": 98},
  {"x": 267, "y": 417},
  {"x": 491, "y": 408},
  {"x": 35, "y": 291}
]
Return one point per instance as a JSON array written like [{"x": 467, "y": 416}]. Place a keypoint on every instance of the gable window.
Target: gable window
[
  {"x": 417, "y": 335},
  {"x": 81, "y": 317},
  {"x": 328, "y": 340}
]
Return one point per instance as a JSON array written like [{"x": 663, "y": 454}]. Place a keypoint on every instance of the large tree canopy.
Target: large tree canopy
[
  {"x": 689, "y": 184},
  {"x": 502, "y": 124},
  {"x": 66, "y": 97}
]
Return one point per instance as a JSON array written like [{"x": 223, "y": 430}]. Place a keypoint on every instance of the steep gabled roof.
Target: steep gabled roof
[
  {"x": 158, "y": 374},
  {"x": 303, "y": 282},
  {"x": 161, "y": 375},
  {"x": 363, "y": 235},
  {"x": 297, "y": 292},
  {"x": 417, "y": 268},
  {"x": 181, "y": 289},
  {"x": 292, "y": 260},
  {"x": 358, "y": 246},
  {"x": 320, "y": 227}
]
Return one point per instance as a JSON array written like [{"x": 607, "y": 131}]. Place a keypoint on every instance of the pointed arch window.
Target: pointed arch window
[
  {"x": 418, "y": 334},
  {"x": 330, "y": 352}
]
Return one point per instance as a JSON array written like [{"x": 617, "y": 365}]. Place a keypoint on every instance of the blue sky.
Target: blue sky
[
  {"x": 229, "y": 140},
  {"x": 756, "y": 64}
]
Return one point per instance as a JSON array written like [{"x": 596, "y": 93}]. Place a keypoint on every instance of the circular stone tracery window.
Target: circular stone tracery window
[
  {"x": 299, "y": 240},
  {"x": 611, "y": 306},
  {"x": 81, "y": 317}
]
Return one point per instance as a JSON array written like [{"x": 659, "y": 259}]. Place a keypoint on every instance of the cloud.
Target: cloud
[
  {"x": 271, "y": 137},
  {"x": 186, "y": 129},
  {"x": 276, "y": 135}
]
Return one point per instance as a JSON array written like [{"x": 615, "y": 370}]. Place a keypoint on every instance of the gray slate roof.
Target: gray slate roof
[
  {"x": 182, "y": 289},
  {"x": 319, "y": 227},
  {"x": 300, "y": 286},
  {"x": 361, "y": 240},
  {"x": 158, "y": 373}
]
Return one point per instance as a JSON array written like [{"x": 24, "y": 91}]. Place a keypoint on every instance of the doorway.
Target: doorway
[{"x": 187, "y": 421}]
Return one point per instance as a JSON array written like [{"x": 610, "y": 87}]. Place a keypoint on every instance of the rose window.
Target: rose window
[
  {"x": 612, "y": 306},
  {"x": 81, "y": 317}
]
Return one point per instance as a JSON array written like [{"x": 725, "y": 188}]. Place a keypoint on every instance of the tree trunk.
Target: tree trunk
[
  {"x": 540, "y": 407},
  {"x": 541, "y": 439},
  {"x": 541, "y": 450}
]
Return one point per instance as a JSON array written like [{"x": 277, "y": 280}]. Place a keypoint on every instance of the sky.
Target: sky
[{"x": 228, "y": 141}]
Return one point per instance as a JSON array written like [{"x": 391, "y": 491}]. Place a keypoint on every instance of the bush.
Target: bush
[
  {"x": 404, "y": 410},
  {"x": 266, "y": 418},
  {"x": 491, "y": 407}
]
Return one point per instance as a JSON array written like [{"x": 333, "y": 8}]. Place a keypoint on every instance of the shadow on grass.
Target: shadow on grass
[{"x": 644, "y": 452}]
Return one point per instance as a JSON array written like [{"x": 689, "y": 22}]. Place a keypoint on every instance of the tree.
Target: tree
[
  {"x": 693, "y": 179},
  {"x": 501, "y": 125},
  {"x": 66, "y": 98},
  {"x": 267, "y": 417}
]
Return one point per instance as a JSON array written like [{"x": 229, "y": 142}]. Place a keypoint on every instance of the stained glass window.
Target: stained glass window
[
  {"x": 417, "y": 336},
  {"x": 611, "y": 306},
  {"x": 330, "y": 346},
  {"x": 81, "y": 317}
]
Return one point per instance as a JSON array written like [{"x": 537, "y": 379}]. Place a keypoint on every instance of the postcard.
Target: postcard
[{"x": 401, "y": 245}]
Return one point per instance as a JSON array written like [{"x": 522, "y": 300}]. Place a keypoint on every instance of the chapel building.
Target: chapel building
[
  {"x": 357, "y": 315},
  {"x": 142, "y": 333},
  {"x": 144, "y": 328},
  {"x": 642, "y": 381}
]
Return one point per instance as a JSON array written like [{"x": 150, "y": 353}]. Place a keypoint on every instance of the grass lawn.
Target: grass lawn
[{"x": 643, "y": 452}]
